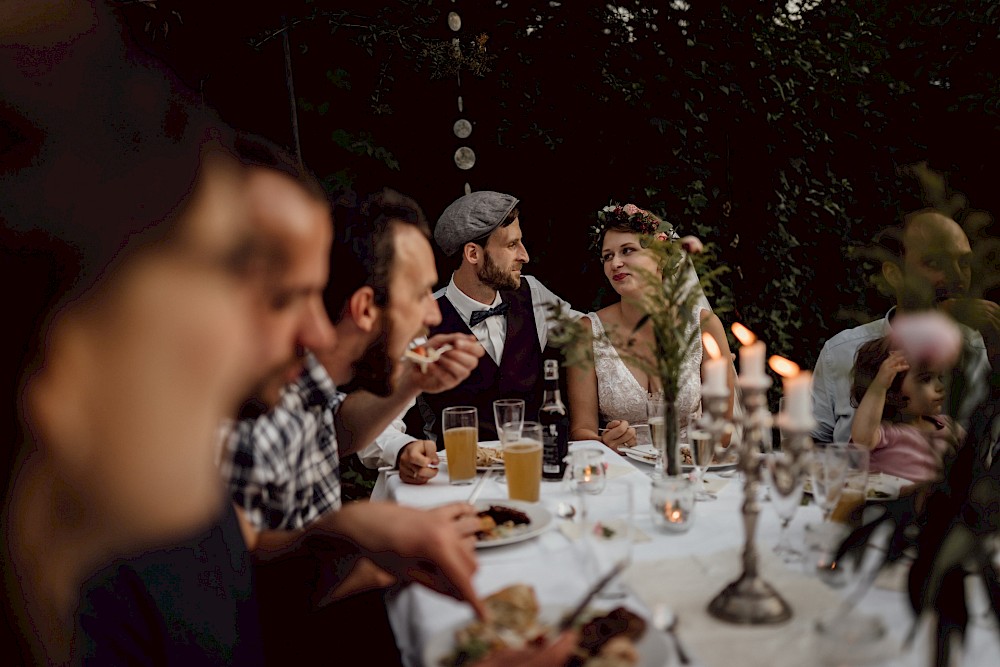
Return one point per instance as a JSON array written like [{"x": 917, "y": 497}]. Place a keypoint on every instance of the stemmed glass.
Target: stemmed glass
[
  {"x": 828, "y": 469},
  {"x": 784, "y": 472},
  {"x": 702, "y": 451}
]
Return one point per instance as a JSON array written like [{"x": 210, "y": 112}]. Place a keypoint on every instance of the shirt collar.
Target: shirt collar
[
  {"x": 465, "y": 304},
  {"x": 315, "y": 384}
]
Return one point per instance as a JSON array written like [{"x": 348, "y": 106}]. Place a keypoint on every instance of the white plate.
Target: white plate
[
  {"x": 540, "y": 518},
  {"x": 647, "y": 454},
  {"x": 443, "y": 456},
  {"x": 653, "y": 648}
]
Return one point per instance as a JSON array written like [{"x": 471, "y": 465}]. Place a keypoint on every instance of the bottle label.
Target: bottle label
[{"x": 555, "y": 448}]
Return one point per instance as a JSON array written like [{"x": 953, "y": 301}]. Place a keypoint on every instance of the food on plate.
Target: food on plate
[
  {"x": 424, "y": 355},
  {"x": 499, "y": 521},
  {"x": 487, "y": 456},
  {"x": 727, "y": 457},
  {"x": 610, "y": 639},
  {"x": 606, "y": 640}
]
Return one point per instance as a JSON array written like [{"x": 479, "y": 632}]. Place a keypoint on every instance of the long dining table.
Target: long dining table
[{"x": 685, "y": 571}]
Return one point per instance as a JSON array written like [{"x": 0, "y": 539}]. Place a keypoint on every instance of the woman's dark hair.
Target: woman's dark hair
[
  {"x": 363, "y": 250},
  {"x": 866, "y": 364}
]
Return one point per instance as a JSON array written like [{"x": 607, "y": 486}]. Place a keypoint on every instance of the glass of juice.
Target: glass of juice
[
  {"x": 461, "y": 437},
  {"x": 855, "y": 486},
  {"x": 522, "y": 461}
]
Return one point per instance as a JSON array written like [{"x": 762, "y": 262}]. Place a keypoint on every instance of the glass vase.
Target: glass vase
[{"x": 665, "y": 430}]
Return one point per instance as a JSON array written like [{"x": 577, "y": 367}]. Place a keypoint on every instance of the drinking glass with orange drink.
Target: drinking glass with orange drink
[
  {"x": 522, "y": 461},
  {"x": 855, "y": 485},
  {"x": 461, "y": 438}
]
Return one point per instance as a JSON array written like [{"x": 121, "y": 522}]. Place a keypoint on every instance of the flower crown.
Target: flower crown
[{"x": 615, "y": 215}]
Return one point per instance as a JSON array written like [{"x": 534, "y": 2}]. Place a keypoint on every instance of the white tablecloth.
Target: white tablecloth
[{"x": 685, "y": 571}]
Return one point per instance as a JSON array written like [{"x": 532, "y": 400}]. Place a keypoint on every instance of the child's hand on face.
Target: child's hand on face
[{"x": 894, "y": 364}]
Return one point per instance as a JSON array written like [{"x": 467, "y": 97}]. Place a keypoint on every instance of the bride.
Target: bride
[{"x": 614, "y": 392}]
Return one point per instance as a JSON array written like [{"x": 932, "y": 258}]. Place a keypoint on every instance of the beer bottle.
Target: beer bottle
[{"x": 555, "y": 425}]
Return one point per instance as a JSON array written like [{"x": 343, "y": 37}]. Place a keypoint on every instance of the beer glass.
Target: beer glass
[
  {"x": 522, "y": 462},
  {"x": 461, "y": 438}
]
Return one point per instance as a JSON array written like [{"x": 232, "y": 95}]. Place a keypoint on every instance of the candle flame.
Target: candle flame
[
  {"x": 783, "y": 367},
  {"x": 744, "y": 335},
  {"x": 675, "y": 516},
  {"x": 712, "y": 347}
]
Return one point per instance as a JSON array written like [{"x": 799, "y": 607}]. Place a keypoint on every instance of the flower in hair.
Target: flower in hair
[{"x": 629, "y": 216}]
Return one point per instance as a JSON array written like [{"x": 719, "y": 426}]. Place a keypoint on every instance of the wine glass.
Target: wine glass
[
  {"x": 828, "y": 470},
  {"x": 702, "y": 450},
  {"x": 784, "y": 472},
  {"x": 608, "y": 533}
]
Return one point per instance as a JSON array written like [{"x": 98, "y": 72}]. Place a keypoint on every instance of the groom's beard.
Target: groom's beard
[{"x": 493, "y": 276}]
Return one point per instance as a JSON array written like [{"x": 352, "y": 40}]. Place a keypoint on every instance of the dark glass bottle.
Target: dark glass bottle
[{"x": 555, "y": 425}]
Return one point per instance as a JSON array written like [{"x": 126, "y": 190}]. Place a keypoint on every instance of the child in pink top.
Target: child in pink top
[{"x": 898, "y": 415}]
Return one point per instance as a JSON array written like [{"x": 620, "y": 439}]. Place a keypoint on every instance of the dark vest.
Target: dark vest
[{"x": 519, "y": 374}]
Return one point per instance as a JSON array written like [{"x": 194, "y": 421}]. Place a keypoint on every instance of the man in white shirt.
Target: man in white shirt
[
  {"x": 487, "y": 296},
  {"x": 931, "y": 263}
]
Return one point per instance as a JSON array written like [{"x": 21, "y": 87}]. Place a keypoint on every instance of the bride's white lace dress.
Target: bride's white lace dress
[{"x": 619, "y": 394}]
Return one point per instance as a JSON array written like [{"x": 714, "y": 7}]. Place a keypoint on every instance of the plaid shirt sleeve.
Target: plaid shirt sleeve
[{"x": 285, "y": 469}]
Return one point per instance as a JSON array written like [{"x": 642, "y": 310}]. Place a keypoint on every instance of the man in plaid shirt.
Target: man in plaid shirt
[{"x": 283, "y": 469}]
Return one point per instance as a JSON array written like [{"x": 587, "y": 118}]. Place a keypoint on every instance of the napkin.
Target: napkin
[{"x": 688, "y": 584}]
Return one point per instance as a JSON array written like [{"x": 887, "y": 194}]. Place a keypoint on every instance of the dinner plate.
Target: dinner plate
[
  {"x": 880, "y": 483},
  {"x": 495, "y": 444},
  {"x": 647, "y": 454},
  {"x": 653, "y": 648},
  {"x": 540, "y": 518}
]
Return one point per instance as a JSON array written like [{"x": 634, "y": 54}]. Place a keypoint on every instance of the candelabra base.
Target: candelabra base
[{"x": 750, "y": 601}]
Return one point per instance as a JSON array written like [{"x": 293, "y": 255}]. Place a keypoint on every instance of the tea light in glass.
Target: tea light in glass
[
  {"x": 672, "y": 504},
  {"x": 587, "y": 471}
]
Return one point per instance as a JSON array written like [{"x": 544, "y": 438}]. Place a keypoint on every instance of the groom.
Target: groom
[{"x": 489, "y": 297}]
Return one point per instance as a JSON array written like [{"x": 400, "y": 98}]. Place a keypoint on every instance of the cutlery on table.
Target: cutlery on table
[
  {"x": 665, "y": 620},
  {"x": 474, "y": 496},
  {"x": 569, "y": 620}
]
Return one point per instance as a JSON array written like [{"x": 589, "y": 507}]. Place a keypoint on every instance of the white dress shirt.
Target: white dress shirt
[
  {"x": 831, "y": 388},
  {"x": 492, "y": 332}
]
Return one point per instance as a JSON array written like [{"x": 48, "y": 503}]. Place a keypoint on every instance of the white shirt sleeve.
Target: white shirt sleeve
[
  {"x": 543, "y": 301},
  {"x": 823, "y": 396},
  {"x": 384, "y": 450}
]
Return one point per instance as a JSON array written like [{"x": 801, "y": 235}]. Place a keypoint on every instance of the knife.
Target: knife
[
  {"x": 568, "y": 621},
  {"x": 479, "y": 487}
]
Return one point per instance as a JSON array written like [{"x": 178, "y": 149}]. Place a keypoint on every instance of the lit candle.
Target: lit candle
[
  {"x": 586, "y": 475},
  {"x": 716, "y": 369},
  {"x": 752, "y": 353},
  {"x": 797, "y": 392}
]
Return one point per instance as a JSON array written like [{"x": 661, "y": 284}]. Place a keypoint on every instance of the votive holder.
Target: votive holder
[{"x": 672, "y": 501}]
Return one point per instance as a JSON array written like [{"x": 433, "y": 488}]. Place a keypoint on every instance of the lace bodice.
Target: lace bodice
[{"x": 619, "y": 394}]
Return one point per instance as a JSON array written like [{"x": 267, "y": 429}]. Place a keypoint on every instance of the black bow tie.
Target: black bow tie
[{"x": 480, "y": 315}]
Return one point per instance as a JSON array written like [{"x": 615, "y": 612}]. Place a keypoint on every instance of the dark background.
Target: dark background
[{"x": 779, "y": 138}]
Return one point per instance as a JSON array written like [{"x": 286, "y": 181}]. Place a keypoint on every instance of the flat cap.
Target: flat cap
[{"x": 470, "y": 218}]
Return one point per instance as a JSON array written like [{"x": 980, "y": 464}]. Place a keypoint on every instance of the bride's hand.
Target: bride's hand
[{"x": 618, "y": 434}]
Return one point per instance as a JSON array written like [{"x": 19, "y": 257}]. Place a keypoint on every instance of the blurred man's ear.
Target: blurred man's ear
[
  {"x": 362, "y": 309},
  {"x": 893, "y": 275}
]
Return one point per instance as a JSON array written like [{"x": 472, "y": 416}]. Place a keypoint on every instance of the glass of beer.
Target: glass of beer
[
  {"x": 522, "y": 462},
  {"x": 855, "y": 486},
  {"x": 461, "y": 437}
]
